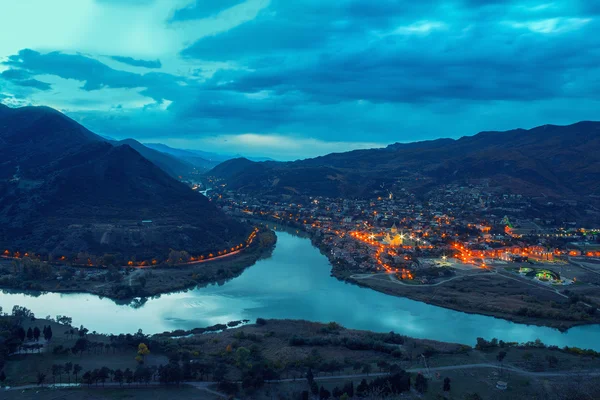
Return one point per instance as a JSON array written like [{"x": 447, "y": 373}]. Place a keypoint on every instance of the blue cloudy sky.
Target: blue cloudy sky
[{"x": 299, "y": 78}]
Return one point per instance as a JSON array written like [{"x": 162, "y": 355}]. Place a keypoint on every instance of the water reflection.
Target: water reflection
[{"x": 294, "y": 282}]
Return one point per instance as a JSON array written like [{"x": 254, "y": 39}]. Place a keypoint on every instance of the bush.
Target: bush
[{"x": 261, "y": 321}]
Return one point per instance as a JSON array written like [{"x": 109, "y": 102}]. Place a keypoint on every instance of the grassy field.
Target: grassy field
[
  {"x": 290, "y": 348},
  {"x": 22, "y": 369}
]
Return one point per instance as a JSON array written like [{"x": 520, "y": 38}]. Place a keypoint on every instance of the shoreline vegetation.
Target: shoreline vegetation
[
  {"x": 125, "y": 283},
  {"x": 284, "y": 359},
  {"x": 486, "y": 293}
]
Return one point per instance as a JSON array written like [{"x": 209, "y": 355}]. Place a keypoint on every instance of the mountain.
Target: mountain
[
  {"x": 65, "y": 190},
  {"x": 198, "y": 159},
  {"x": 206, "y": 158},
  {"x": 172, "y": 165},
  {"x": 550, "y": 160}
]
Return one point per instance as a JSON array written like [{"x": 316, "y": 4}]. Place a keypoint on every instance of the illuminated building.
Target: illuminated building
[{"x": 393, "y": 238}]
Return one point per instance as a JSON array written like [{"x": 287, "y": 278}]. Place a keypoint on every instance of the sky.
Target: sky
[{"x": 294, "y": 79}]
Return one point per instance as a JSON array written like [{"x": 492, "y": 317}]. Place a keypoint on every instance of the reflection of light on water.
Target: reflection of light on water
[{"x": 293, "y": 283}]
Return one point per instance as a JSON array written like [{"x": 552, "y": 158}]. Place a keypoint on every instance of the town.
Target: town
[{"x": 463, "y": 235}]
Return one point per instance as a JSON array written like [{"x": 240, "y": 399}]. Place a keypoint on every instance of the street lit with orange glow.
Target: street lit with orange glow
[{"x": 213, "y": 255}]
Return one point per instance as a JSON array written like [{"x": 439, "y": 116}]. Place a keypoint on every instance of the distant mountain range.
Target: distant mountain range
[
  {"x": 550, "y": 160},
  {"x": 205, "y": 156},
  {"x": 65, "y": 190}
]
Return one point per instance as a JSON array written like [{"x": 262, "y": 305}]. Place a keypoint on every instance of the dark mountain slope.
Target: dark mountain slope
[
  {"x": 168, "y": 163},
  {"x": 35, "y": 137},
  {"x": 64, "y": 190},
  {"x": 559, "y": 161}
]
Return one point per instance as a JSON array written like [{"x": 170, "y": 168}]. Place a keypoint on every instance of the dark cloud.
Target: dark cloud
[
  {"x": 33, "y": 83},
  {"x": 138, "y": 63},
  {"x": 15, "y": 74},
  {"x": 23, "y": 78},
  {"x": 412, "y": 62},
  {"x": 95, "y": 74},
  {"x": 355, "y": 70},
  {"x": 203, "y": 9}
]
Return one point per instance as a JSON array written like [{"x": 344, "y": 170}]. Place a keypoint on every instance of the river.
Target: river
[{"x": 293, "y": 283}]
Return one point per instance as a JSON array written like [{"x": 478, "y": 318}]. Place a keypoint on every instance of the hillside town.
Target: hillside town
[{"x": 426, "y": 239}]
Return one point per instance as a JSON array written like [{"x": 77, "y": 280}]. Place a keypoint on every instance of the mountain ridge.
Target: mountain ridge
[{"x": 559, "y": 161}]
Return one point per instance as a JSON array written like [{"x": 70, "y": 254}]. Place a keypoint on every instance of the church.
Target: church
[{"x": 393, "y": 238}]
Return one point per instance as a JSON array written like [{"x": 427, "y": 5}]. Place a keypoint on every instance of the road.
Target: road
[
  {"x": 391, "y": 277},
  {"x": 205, "y": 385},
  {"x": 455, "y": 368}
]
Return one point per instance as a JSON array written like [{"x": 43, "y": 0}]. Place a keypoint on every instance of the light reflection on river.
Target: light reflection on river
[{"x": 293, "y": 283}]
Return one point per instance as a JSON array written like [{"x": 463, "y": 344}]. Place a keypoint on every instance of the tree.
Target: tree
[
  {"x": 336, "y": 392},
  {"x": 366, "y": 369},
  {"x": 500, "y": 356},
  {"x": 83, "y": 331},
  {"x": 143, "y": 351},
  {"x": 41, "y": 378},
  {"x": 383, "y": 365},
  {"x": 103, "y": 374},
  {"x": 314, "y": 388},
  {"x": 57, "y": 369},
  {"x": 324, "y": 394},
  {"x": 119, "y": 376},
  {"x": 76, "y": 370},
  {"x": 21, "y": 333},
  {"x": 421, "y": 383},
  {"x": 446, "y": 384},
  {"x": 88, "y": 379},
  {"x": 362, "y": 388},
  {"x": 2, "y": 377},
  {"x": 22, "y": 313},
  {"x": 170, "y": 373},
  {"x": 61, "y": 319},
  {"x": 48, "y": 334},
  {"x": 68, "y": 368},
  {"x": 349, "y": 389},
  {"x": 220, "y": 372},
  {"x": 36, "y": 333},
  {"x": 80, "y": 346},
  {"x": 309, "y": 376},
  {"x": 241, "y": 356},
  {"x": 29, "y": 334},
  {"x": 128, "y": 376}
]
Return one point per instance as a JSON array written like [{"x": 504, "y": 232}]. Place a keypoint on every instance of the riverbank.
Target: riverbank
[
  {"x": 127, "y": 283},
  {"x": 494, "y": 293},
  {"x": 490, "y": 295},
  {"x": 241, "y": 361}
]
